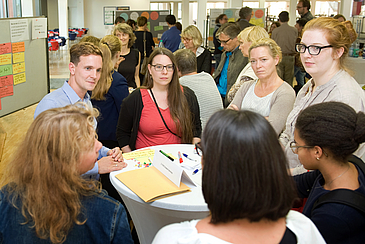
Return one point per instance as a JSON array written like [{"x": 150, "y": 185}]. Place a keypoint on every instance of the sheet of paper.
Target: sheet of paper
[
  {"x": 39, "y": 28},
  {"x": 6, "y": 80},
  {"x": 18, "y": 68},
  {"x": 19, "y": 78},
  {"x": 19, "y": 30},
  {"x": 5, "y": 59},
  {"x": 168, "y": 168},
  {"x": 5, "y": 48},
  {"x": 18, "y": 57}
]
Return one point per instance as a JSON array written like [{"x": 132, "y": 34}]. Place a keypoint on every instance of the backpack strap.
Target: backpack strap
[{"x": 347, "y": 197}]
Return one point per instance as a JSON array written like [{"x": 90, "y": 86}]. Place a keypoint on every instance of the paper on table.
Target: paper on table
[
  {"x": 150, "y": 184},
  {"x": 141, "y": 155}
]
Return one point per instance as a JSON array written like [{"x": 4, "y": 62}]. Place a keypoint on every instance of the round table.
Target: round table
[{"x": 148, "y": 218}]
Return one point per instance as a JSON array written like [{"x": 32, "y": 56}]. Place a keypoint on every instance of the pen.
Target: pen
[
  {"x": 169, "y": 157},
  {"x": 180, "y": 158},
  {"x": 186, "y": 156},
  {"x": 195, "y": 171}
]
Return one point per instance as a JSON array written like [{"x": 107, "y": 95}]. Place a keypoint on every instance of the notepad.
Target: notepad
[{"x": 150, "y": 184}]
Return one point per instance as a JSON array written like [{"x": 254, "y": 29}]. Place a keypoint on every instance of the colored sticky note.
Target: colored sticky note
[
  {"x": 5, "y": 59},
  {"x": 19, "y": 78},
  {"x": 18, "y": 68},
  {"x": 18, "y": 47},
  {"x": 6, "y": 80},
  {"x": 0, "y": 104},
  {"x": 6, "y": 70},
  {"x": 158, "y": 28},
  {"x": 18, "y": 57},
  {"x": 5, "y": 48},
  {"x": 6, "y": 91}
]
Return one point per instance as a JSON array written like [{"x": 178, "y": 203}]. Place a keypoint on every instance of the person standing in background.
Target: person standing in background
[
  {"x": 129, "y": 67},
  {"x": 286, "y": 36},
  {"x": 245, "y": 16},
  {"x": 144, "y": 42},
  {"x": 303, "y": 7},
  {"x": 170, "y": 39},
  {"x": 118, "y": 20},
  {"x": 192, "y": 39},
  {"x": 233, "y": 60},
  {"x": 219, "y": 21}
]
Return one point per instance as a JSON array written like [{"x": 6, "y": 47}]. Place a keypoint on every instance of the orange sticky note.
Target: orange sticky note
[
  {"x": 18, "y": 47},
  {"x": 6, "y": 91}
]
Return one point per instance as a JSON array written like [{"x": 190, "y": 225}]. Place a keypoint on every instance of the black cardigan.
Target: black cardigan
[
  {"x": 204, "y": 62},
  {"x": 130, "y": 115}
]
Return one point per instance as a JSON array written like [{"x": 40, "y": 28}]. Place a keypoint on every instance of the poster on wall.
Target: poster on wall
[
  {"x": 155, "y": 20},
  {"x": 257, "y": 18},
  {"x": 110, "y": 13}
]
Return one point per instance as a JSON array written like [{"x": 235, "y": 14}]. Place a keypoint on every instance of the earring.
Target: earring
[{"x": 318, "y": 158}]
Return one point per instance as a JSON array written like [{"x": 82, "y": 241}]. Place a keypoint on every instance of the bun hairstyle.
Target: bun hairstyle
[
  {"x": 334, "y": 126},
  {"x": 337, "y": 34}
]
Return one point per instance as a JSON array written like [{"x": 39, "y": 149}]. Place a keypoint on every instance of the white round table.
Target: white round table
[{"x": 148, "y": 218}]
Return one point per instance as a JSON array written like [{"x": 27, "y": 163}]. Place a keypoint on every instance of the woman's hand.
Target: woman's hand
[
  {"x": 126, "y": 149},
  {"x": 116, "y": 154},
  {"x": 108, "y": 164}
]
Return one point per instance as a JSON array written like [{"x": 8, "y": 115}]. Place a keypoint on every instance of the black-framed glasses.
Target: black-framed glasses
[
  {"x": 160, "y": 67},
  {"x": 294, "y": 147},
  {"x": 198, "y": 149},
  {"x": 223, "y": 42},
  {"x": 312, "y": 49}
]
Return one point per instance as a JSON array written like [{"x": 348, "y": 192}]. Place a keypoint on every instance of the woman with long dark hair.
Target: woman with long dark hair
[{"x": 160, "y": 112}]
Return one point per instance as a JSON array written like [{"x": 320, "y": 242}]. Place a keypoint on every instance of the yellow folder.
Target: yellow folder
[{"x": 150, "y": 184}]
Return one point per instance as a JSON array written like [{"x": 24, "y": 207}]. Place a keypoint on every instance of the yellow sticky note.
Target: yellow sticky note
[
  {"x": 5, "y": 59},
  {"x": 19, "y": 78},
  {"x": 18, "y": 57},
  {"x": 18, "y": 68}
]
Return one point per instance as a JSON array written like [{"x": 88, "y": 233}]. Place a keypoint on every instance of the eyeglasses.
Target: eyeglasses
[
  {"x": 160, "y": 67},
  {"x": 313, "y": 50},
  {"x": 299, "y": 7},
  {"x": 184, "y": 39},
  {"x": 294, "y": 147},
  {"x": 224, "y": 42},
  {"x": 198, "y": 149}
]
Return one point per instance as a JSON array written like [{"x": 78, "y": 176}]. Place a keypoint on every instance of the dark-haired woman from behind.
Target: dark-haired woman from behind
[
  {"x": 325, "y": 137},
  {"x": 249, "y": 192}
]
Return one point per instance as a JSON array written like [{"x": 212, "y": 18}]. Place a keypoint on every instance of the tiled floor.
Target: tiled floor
[{"x": 16, "y": 124}]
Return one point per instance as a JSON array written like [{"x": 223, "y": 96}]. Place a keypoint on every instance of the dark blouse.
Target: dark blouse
[
  {"x": 140, "y": 45},
  {"x": 204, "y": 62},
  {"x": 127, "y": 68}
]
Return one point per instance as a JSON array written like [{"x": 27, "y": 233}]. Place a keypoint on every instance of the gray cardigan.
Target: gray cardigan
[{"x": 282, "y": 102}]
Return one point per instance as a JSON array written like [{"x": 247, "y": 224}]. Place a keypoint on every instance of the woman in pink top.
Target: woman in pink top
[{"x": 161, "y": 111}]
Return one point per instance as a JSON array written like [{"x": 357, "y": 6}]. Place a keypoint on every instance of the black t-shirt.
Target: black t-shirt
[
  {"x": 139, "y": 43},
  {"x": 128, "y": 67}
]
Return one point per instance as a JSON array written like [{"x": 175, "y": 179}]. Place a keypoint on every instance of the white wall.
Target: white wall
[
  {"x": 94, "y": 16},
  {"x": 52, "y": 9}
]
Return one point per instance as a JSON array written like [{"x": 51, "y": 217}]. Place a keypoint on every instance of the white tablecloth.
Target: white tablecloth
[{"x": 150, "y": 217}]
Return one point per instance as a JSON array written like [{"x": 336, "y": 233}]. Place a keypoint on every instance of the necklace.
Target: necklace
[{"x": 339, "y": 175}]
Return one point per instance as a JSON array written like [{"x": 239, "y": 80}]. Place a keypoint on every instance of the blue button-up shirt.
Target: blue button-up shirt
[{"x": 66, "y": 96}]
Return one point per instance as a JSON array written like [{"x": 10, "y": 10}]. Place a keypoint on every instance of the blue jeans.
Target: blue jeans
[{"x": 299, "y": 75}]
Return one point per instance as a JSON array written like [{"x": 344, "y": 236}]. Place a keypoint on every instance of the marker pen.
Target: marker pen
[
  {"x": 180, "y": 158},
  {"x": 168, "y": 156},
  {"x": 186, "y": 156}
]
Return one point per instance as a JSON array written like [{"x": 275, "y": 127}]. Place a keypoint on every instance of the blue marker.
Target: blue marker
[
  {"x": 195, "y": 171},
  {"x": 186, "y": 156}
]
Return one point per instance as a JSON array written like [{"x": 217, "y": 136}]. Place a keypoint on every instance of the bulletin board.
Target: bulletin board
[
  {"x": 156, "y": 22},
  {"x": 257, "y": 18},
  {"x": 23, "y": 63}
]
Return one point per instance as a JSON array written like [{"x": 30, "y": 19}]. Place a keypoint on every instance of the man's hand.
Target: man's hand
[
  {"x": 108, "y": 164},
  {"x": 116, "y": 154}
]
